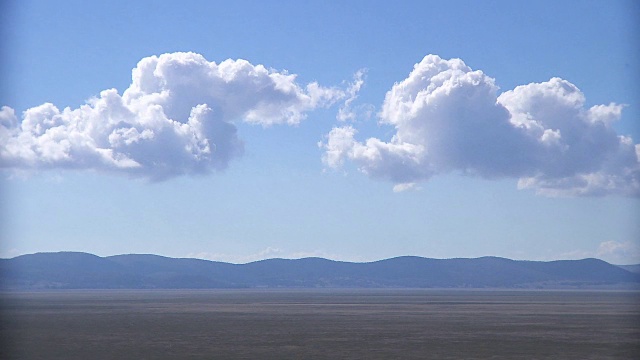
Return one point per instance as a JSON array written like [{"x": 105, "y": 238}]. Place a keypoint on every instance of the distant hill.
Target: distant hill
[{"x": 73, "y": 270}]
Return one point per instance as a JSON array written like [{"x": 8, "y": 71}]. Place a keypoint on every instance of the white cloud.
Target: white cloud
[
  {"x": 619, "y": 252},
  {"x": 448, "y": 117},
  {"x": 584, "y": 155},
  {"x": 271, "y": 253},
  {"x": 613, "y": 252},
  {"x": 266, "y": 253},
  {"x": 406, "y": 187},
  {"x": 177, "y": 117},
  {"x": 9, "y": 253},
  {"x": 347, "y": 112}
]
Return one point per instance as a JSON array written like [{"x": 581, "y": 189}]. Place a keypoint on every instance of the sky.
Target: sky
[{"x": 349, "y": 130}]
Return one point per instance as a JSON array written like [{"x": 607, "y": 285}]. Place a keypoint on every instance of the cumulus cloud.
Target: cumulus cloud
[
  {"x": 177, "y": 117},
  {"x": 450, "y": 118}
]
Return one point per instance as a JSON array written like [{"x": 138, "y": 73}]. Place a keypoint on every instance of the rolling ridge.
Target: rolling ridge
[{"x": 74, "y": 270}]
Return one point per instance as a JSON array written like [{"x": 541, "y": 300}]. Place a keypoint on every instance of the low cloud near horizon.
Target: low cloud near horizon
[
  {"x": 613, "y": 252},
  {"x": 450, "y": 118}
]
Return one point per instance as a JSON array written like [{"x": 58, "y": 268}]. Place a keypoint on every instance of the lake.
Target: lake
[{"x": 321, "y": 324}]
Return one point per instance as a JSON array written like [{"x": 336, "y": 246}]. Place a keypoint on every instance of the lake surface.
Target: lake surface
[{"x": 321, "y": 324}]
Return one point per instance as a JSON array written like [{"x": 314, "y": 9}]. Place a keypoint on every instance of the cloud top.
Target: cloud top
[
  {"x": 177, "y": 117},
  {"x": 450, "y": 118}
]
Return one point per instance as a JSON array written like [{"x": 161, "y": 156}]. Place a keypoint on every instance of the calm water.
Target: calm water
[{"x": 323, "y": 324}]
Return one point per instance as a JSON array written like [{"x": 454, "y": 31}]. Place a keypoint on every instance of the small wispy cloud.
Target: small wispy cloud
[
  {"x": 266, "y": 253},
  {"x": 405, "y": 187},
  {"x": 10, "y": 253},
  {"x": 619, "y": 252},
  {"x": 270, "y": 253},
  {"x": 614, "y": 252},
  {"x": 347, "y": 112}
]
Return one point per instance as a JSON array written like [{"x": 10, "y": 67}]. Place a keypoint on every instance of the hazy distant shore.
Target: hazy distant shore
[{"x": 70, "y": 270}]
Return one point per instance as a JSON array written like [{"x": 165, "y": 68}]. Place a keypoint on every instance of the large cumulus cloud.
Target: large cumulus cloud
[
  {"x": 177, "y": 117},
  {"x": 448, "y": 117}
]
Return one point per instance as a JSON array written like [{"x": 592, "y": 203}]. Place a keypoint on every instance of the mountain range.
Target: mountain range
[{"x": 74, "y": 270}]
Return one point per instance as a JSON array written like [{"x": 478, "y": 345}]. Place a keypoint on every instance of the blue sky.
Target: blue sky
[{"x": 487, "y": 154}]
